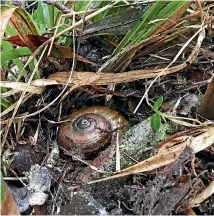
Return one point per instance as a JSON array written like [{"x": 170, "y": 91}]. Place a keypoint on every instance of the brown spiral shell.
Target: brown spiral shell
[{"x": 89, "y": 129}]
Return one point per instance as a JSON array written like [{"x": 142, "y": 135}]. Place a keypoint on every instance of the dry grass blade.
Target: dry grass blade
[
  {"x": 6, "y": 14},
  {"x": 12, "y": 107},
  {"x": 197, "y": 140},
  {"x": 15, "y": 23},
  {"x": 89, "y": 78},
  {"x": 20, "y": 101},
  {"x": 19, "y": 86}
]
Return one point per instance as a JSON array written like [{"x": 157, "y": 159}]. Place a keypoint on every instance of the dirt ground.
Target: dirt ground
[{"x": 164, "y": 191}]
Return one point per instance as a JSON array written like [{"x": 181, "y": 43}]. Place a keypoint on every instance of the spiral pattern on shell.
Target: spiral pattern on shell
[{"x": 89, "y": 129}]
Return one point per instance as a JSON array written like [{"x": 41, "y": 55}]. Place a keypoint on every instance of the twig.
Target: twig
[
  {"x": 64, "y": 9},
  {"x": 201, "y": 33},
  {"x": 21, "y": 98}
]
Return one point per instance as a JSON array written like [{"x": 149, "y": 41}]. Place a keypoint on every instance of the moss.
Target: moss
[{"x": 139, "y": 143}]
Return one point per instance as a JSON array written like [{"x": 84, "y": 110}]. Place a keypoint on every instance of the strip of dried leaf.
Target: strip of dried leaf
[
  {"x": 198, "y": 140},
  {"x": 10, "y": 108},
  {"x": 6, "y": 14},
  {"x": 20, "y": 86}
]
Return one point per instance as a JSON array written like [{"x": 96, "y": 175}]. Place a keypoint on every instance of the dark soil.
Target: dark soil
[{"x": 162, "y": 192}]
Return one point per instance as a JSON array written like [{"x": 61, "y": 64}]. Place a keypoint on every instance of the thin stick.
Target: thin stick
[
  {"x": 200, "y": 39},
  {"x": 117, "y": 150},
  {"x": 21, "y": 98}
]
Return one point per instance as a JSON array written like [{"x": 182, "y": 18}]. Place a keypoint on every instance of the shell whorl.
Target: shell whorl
[{"x": 89, "y": 129}]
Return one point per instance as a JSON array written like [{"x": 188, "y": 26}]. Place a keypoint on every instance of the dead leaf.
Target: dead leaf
[
  {"x": 36, "y": 40},
  {"x": 21, "y": 86},
  {"x": 8, "y": 205},
  {"x": 6, "y": 14},
  {"x": 196, "y": 139},
  {"x": 57, "y": 51}
]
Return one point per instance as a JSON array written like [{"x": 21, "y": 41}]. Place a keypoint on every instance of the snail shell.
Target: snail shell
[{"x": 89, "y": 129}]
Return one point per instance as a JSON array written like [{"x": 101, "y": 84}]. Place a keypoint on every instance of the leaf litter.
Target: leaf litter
[{"x": 163, "y": 171}]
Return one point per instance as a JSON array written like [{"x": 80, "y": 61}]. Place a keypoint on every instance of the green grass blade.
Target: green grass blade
[
  {"x": 15, "y": 53},
  {"x": 146, "y": 17},
  {"x": 2, "y": 190},
  {"x": 39, "y": 17}
]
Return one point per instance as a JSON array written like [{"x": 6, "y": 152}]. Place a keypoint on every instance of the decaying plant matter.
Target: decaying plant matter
[{"x": 64, "y": 62}]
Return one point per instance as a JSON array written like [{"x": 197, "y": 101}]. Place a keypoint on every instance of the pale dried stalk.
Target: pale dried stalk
[
  {"x": 197, "y": 140},
  {"x": 19, "y": 86},
  {"x": 20, "y": 101},
  {"x": 91, "y": 78},
  {"x": 201, "y": 33}
]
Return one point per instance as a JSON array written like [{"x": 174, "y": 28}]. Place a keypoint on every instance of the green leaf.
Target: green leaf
[
  {"x": 152, "y": 20},
  {"x": 2, "y": 190},
  {"x": 141, "y": 27},
  {"x": 4, "y": 103},
  {"x": 155, "y": 121},
  {"x": 157, "y": 104},
  {"x": 15, "y": 53}
]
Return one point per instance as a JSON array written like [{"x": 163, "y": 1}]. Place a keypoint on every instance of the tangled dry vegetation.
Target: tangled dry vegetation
[{"x": 152, "y": 61}]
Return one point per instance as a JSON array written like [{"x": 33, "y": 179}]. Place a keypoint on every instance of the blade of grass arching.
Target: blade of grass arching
[
  {"x": 163, "y": 16},
  {"x": 8, "y": 46},
  {"x": 15, "y": 53},
  {"x": 52, "y": 14},
  {"x": 145, "y": 28},
  {"x": 125, "y": 52},
  {"x": 175, "y": 19},
  {"x": 146, "y": 17},
  {"x": 39, "y": 18}
]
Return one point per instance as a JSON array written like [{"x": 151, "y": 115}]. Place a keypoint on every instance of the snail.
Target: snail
[{"x": 90, "y": 129}]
